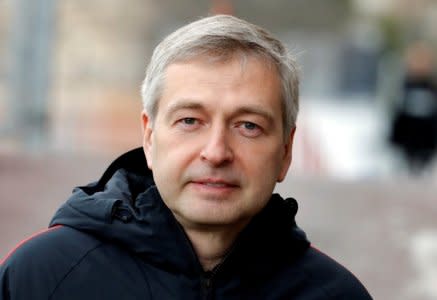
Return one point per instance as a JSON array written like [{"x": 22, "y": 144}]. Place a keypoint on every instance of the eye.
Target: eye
[
  {"x": 188, "y": 123},
  {"x": 250, "y": 126},
  {"x": 249, "y": 129}
]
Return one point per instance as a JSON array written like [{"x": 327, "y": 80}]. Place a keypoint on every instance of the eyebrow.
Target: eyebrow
[
  {"x": 255, "y": 110},
  {"x": 183, "y": 104}
]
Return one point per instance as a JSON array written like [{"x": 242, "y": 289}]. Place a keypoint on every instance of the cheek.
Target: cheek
[
  {"x": 170, "y": 155},
  {"x": 265, "y": 158}
]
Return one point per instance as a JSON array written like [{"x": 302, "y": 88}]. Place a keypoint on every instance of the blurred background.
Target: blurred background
[{"x": 363, "y": 169}]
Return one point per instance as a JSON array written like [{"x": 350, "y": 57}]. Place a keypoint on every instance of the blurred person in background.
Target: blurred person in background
[
  {"x": 191, "y": 214},
  {"x": 414, "y": 128}
]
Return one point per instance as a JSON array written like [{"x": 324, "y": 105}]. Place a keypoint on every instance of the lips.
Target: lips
[
  {"x": 215, "y": 183},
  {"x": 213, "y": 188}
]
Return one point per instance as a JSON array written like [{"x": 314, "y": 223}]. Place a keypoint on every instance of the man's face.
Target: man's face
[{"x": 217, "y": 145}]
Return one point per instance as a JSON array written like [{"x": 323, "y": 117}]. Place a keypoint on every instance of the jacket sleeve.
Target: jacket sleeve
[
  {"x": 19, "y": 271},
  {"x": 335, "y": 280},
  {"x": 19, "y": 280},
  {"x": 33, "y": 269},
  {"x": 4, "y": 283}
]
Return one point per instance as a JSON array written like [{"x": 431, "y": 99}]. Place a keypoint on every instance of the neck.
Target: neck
[{"x": 211, "y": 246}]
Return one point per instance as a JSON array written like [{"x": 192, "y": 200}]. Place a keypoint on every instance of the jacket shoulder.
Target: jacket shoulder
[
  {"x": 38, "y": 264},
  {"x": 335, "y": 280}
]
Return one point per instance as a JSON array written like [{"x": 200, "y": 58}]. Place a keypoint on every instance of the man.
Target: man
[
  {"x": 220, "y": 104},
  {"x": 414, "y": 126}
]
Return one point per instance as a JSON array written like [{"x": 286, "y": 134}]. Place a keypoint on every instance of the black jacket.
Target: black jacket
[{"x": 116, "y": 239}]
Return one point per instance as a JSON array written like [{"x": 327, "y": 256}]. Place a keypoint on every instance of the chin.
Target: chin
[{"x": 215, "y": 218}]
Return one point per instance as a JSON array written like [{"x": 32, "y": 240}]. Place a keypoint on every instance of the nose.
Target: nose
[{"x": 217, "y": 150}]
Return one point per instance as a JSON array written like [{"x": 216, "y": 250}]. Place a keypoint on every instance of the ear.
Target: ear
[
  {"x": 147, "y": 138},
  {"x": 286, "y": 160}
]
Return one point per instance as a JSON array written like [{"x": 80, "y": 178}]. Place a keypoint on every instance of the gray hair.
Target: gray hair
[{"x": 220, "y": 37}]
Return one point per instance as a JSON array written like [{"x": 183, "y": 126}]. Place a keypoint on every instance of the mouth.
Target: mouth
[
  {"x": 218, "y": 187},
  {"x": 213, "y": 188},
  {"x": 215, "y": 183}
]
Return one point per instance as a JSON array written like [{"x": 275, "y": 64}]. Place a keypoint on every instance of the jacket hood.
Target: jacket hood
[{"x": 125, "y": 207}]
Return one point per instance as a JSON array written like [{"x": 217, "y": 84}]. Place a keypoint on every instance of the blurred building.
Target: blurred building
[{"x": 88, "y": 58}]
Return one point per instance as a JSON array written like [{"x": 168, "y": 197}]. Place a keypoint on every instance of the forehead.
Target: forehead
[
  {"x": 238, "y": 84},
  {"x": 226, "y": 56},
  {"x": 241, "y": 79}
]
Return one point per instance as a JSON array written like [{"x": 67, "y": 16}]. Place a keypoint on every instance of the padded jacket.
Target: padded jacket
[{"x": 116, "y": 239}]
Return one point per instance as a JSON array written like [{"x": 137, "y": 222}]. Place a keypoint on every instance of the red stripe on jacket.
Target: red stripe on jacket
[{"x": 26, "y": 240}]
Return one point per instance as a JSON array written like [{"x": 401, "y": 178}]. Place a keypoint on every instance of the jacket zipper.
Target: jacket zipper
[
  {"x": 207, "y": 278},
  {"x": 206, "y": 282}
]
